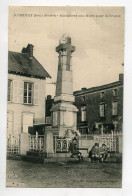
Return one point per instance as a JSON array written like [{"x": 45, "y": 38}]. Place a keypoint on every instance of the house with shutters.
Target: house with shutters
[{"x": 26, "y": 91}]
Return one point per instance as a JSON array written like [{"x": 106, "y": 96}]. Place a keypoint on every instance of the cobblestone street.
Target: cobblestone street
[{"x": 63, "y": 175}]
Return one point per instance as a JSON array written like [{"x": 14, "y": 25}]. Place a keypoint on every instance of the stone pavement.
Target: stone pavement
[{"x": 64, "y": 175}]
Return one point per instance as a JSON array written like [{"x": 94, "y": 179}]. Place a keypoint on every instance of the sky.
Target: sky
[{"x": 96, "y": 32}]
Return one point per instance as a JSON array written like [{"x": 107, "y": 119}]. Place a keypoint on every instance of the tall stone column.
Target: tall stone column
[{"x": 64, "y": 113}]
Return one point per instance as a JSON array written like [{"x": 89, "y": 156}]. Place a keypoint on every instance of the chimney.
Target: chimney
[
  {"x": 49, "y": 97},
  {"x": 28, "y": 50},
  {"x": 84, "y": 88},
  {"x": 121, "y": 76}
]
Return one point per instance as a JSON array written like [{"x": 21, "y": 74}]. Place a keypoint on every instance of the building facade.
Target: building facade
[
  {"x": 102, "y": 105},
  {"x": 26, "y": 91}
]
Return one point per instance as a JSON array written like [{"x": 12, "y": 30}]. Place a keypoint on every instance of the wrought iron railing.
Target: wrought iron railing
[
  {"x": 61, "y": 144},
  {"x": 110, "y": 142},
  {"x": 13, "y": 143},
  {"x": 36, "y": 142},
  {"x": 109, "y": 139},
  {"x": 86, "y": 136}
]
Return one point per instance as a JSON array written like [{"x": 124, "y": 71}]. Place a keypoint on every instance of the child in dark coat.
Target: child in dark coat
[
  {"x": 73, "y": 148},
  {"x": 98, "y": 153},
  {"x": 94, "y": 153}
]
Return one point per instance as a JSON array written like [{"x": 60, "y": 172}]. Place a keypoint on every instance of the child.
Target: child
[
  {"x": 73, "y": 148},
  {"x": 103, "y": 151},
  {"x": 94, "y": 153}
]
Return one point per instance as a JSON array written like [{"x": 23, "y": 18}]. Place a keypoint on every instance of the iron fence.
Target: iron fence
[
  {"x": 13, "y": 144},
  {"x": 110, "y": 142},
  {"x": 61, "y": 144},
  {"x": 36, "y": 142},
  {"x": 109, "y": 139}
]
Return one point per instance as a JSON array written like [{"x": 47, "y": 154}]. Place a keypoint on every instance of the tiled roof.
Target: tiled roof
[
  {"x": 22, "y": 64},
  {"x": 98, "y": 88}
]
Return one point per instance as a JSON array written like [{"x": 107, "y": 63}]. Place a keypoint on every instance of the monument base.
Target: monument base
[{"x": 64, "y": 117}]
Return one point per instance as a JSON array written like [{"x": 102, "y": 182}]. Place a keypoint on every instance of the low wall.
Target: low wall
[
  {"x": 91, "y": 140},
  {"x": 86, "y": 143}
]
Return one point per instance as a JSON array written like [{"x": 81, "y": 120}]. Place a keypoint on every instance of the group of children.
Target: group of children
[{"x": 98, "y": 153}]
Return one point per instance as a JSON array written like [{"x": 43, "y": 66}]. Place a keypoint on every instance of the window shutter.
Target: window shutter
[
  {"x": 21, "y": 92},
  {"x": 114, "y": 108},
  {"x": 36, "y": 90},
  {"x": 9, "y": 122},
  {"x": 102, "y": 110},
  {"x": 15, "y": 91},
  {"x": 83, "y": 113}
]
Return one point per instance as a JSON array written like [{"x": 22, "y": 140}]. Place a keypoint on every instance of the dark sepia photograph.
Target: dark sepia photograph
[{"x": 65, "y": 97}]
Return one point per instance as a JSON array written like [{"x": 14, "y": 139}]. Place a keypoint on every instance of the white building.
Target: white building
[{"x": 26, "y": 91}]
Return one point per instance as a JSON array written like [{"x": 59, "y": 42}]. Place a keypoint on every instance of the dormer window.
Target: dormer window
[
  {"x": 115, "y": 92},
  {"x": 83, "y": 98},
  {"x": 102, "y": 94}
]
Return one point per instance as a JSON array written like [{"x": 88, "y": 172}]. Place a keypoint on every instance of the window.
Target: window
[
  {"x": 102, "y": 110},
  {"x": 114, "y": 107},
  {"x": 28, "y": 93},
  {"x": 97, "y": 125},
  {"x": 83, "y": 98},
  {"x": 115, "y": 92},
  {"x": 83, "y": 113},
  {"x": 84, "y": 131},
  {"x": 102, "y": 94},
  {"x": 9, "y": 90},
  {"x": 48, "y": 119}
]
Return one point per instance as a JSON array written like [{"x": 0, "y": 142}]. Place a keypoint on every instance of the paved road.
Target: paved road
[{"x": 63, "y": 175}]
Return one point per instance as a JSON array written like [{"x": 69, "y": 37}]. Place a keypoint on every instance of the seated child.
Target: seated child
[
  {"x": 73, "y": 148},
  {"x": 94, "y": 153},
  {"x": 103, "y": 151}
]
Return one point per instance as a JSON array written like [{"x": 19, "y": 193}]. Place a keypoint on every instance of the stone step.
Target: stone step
[
  {"x": 115, "y": 155},
  {"x": 61, "y": 155},
  {"x": 41, "y": 160},
  {"x": 67, "y": 155},
  {"x": 33, "y": 153},
  {"x": 64, "y": 157},
  {"x": 33, "y": 159},
  {"x": 14, "y": 157},
  {"x": 63, "y": 160}
]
